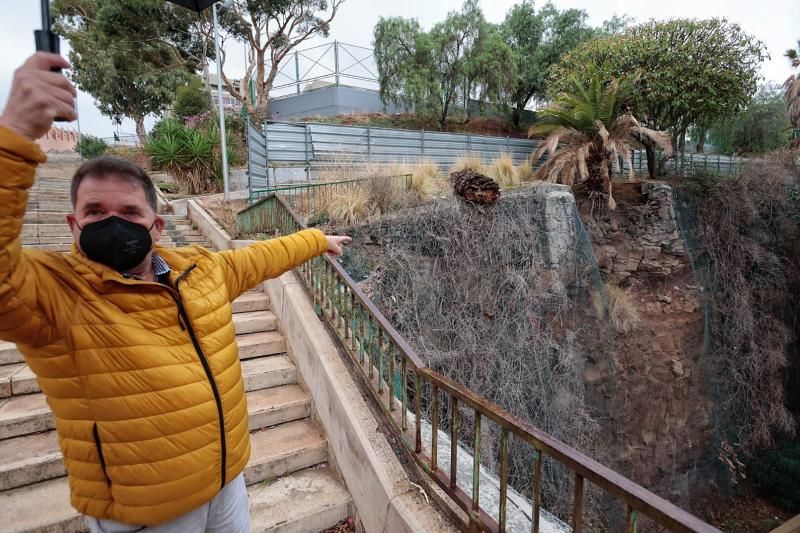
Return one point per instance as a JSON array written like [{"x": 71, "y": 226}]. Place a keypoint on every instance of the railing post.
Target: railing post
[
  {"x": 266, "y": 151},
  {"x": 577, "y": 505},
  {"x": 306, "y": 137},
  {"x": 336, "y": 60},
  {"x": 369, "y": 143},
  {"x": 297, "y": 70},
  {"x": 423, "y": 144}
]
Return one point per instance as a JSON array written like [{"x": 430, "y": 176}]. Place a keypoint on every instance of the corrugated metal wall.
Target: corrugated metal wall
[{"x": 310, "y": 146}]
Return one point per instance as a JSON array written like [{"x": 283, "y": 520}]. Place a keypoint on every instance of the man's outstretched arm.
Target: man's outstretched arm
[
  {"x": 269, "y": 259},
  {"x": 37, "y": 97}
]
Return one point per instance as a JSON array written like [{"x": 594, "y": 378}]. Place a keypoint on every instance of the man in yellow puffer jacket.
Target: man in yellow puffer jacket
[{"x": 133, "y": 344}]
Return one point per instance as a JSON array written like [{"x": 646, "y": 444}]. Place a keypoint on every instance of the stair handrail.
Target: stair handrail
[{"x": 372, "y": 344}]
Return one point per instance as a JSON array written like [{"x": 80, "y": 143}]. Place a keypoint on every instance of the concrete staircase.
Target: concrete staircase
[{"x": 290, "y": 484}]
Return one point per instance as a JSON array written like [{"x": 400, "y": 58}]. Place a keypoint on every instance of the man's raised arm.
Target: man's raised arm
[{"x": 37, "y": 97}]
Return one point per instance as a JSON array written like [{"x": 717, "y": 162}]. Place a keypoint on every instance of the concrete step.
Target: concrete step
[
  {"x": 260, "y": 344},
  {"x": 18, "y": 379},
  {"x": 308, "y": 500},
  {"x": 24, "y": 382},
  {"x": 30, "y": 459},
  {"x": 305, "y": 501},
  {"x": 9, "y": 354},
  {"x": 268, "y": 372},
  {"x": 29, "y": 413},
  {"x": 34, "y": 457},
  {"x": 254, "y": 322},
  {"x": 284, "y": 449},
  {"x": 7, "y": 373},
  {"x": 23, "y": 415},
  {"x": 40, "y": 508},
  {"x": 278, "y": 405},
  {"x": 251, "y": 301}
]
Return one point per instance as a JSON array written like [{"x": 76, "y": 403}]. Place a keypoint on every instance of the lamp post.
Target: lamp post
[
  {"x": 198, "y": 6},
  {"x": 223, "y": 136}
]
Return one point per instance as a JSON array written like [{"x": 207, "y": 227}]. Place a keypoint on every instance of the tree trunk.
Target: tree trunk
[
  {"x": 651, "y": 160},
  {"x": 598, "y": 163},
  {"x": 516, "y": 115},
  {"x": 141, "y": 132},
  {"x": 701, "y": 140}
]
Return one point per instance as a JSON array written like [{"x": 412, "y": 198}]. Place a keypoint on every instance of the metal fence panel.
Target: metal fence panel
[{"x": 309, "y": 146}]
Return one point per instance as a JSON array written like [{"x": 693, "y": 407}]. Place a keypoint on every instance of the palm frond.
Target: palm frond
[
  {"x": 659, "y": 138},
  {"x": 622, "y": 126},
  {"x": 552, "y": 170},
  {"x": 548, "y": 145},
  {"x": 607, "y": 105}
]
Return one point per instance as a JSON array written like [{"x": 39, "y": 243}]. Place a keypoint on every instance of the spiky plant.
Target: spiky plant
[
  {"x": 792, "y": 87},
  {"x": 592, "y": 122}
]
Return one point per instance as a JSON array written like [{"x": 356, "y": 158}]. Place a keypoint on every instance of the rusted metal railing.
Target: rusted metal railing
[{"x": 385, "y": 361}]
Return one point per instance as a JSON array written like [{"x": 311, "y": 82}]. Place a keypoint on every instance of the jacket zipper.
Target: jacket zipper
[
  {"x": 185, "y": 319},
  {"x": 97, "y": 444}
]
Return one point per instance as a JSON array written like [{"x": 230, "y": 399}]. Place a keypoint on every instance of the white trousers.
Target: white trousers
[{"x": 228, "y": 512}]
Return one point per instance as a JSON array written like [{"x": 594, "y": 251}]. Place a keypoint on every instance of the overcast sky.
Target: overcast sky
[{"x": 775, "y": 22}]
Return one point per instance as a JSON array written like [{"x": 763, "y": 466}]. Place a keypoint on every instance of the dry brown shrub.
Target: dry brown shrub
[
  {"x": 744, "y": 244},
  {"x": 471, "y": 290}
]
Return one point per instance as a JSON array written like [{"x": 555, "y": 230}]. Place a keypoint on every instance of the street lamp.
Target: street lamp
[{"x": 200, "y": 5}]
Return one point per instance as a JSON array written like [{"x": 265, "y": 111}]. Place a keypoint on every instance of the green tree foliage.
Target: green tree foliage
[
  {"x": 272, "y": 29},
  {"x": 191, "y": 99},
  {"x": 130, "y": 55},
  {"x": 692, "y": 72},
  {"x": 460, "y": 56},
  {"x": 90, "y": 146},
  {"x": 538, "y": 39},
  {"x": 760, "y": 128}
]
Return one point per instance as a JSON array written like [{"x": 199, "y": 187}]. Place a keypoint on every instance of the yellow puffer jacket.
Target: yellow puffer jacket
[{"x": 144, "y": 380}]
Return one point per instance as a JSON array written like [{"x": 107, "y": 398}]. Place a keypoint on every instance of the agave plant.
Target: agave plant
[
  {"x": 792, "y": 87},
  {"x": 186, "y": 153},
  {"x": 594, "y": 126}
]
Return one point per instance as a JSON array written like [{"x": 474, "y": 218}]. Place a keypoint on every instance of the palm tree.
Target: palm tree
[
  {"x": 792, "y": 86},
  {"x": 592, "y": 122}
]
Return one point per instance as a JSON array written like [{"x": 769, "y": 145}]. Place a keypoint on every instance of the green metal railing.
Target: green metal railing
[
  {"x": 385, "y": 362},
  {"x": 307, "y": 198}
]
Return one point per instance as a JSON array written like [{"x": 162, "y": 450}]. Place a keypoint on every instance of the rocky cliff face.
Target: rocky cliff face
[{"x": 530, "y": 269}]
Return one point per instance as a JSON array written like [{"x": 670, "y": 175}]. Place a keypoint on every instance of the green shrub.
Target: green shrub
[
  {"x": 90, "y": 146},
  {"x": 187, "y": 153},
  {"x": 776, "y": 473}
]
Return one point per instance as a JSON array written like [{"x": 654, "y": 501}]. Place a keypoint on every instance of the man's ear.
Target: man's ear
[{"x": 73, "y": 224}]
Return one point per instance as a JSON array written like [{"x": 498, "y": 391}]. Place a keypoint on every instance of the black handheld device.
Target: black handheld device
[{"x": 46, "y": 40}]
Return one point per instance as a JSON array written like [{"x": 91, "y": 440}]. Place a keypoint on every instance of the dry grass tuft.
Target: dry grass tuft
[
  {"x": 471, "y": 161},
  {"x": 503, "y": 171},
  {"x": 349, "y": 206},
  {"x": 622, "y": 312},
  {"x": 525, "y": 172}
]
